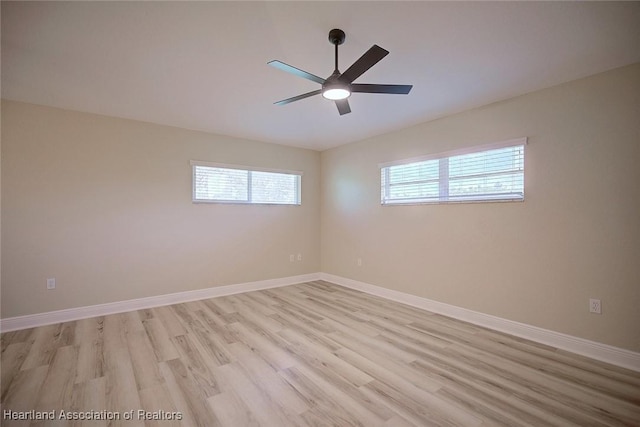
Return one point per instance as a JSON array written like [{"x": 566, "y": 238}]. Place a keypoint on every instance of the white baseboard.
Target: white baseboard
[
  {"x": 48, "y": 318},
  {"x": 605, "y": 353}
]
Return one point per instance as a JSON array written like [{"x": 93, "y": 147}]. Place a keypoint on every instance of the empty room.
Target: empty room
[{"x": 320, "y": 213}]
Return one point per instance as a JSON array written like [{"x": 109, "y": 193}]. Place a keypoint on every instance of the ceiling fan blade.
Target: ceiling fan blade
[
  {"x": 298, "y": 98},
  {"x": 298, "y": 72},
  {"x": 343, "y": 106},
  {"x": 393, "y": 89},
  {"x": 366, "y": 61}
]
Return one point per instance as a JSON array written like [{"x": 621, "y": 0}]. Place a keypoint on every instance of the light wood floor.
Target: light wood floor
[{"x": 313, "y": 354}]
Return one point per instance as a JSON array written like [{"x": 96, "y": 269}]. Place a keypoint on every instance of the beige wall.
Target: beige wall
[
  {"x": 576, "y": 236},
  {"x": 0, "y": 211},
  {"x": 104, "y": 206}
]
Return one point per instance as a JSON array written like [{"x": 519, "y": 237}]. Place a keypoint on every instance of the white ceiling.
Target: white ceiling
[{"x": 202, "y": 65}]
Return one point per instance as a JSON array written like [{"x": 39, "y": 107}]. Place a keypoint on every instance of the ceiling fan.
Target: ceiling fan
[{"x": 339, "y": 86}]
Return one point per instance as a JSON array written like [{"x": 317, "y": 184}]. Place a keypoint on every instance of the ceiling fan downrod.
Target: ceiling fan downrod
[{"x": 336, "y": 37}]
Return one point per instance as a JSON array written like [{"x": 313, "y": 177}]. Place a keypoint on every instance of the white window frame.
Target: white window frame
[
  {"x": 249, "y": 170},
  {"x": 443, "y": 178}
]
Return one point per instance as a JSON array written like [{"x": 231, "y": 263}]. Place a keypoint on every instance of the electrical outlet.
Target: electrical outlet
[
  {"x": 595, "y": 306},
  {"x": 359, "y": 262},
  {"x": 292, "y": 258},
  {"x": 299, "y": 257},
  {"x": 51, "y": 283}
]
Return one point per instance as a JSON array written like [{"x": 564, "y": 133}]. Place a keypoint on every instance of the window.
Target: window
[
  {"x": 488, "y": 173},
  {"x": 215, "y": 183}
]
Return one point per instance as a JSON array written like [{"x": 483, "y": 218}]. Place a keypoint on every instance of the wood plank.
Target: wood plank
[
  {"x": 210, "y": 342},
  {"x": 215, "y": 324},
  {"x": 169, "y": 320},
  {"x": 46, "y": 340},
  {"x": 266, "y": 409},
  {"x": 145, "y": 369},
  {"x": 159, "y": 338},
  {"x": 196, "y": 359},
  {"x": 318, "y": 357},
  {"x": 268, "y": 348},
  {"x": 157, "y": 400},
  {"x": 57, "y": 390},
  {"x": 267, "y": 379},
  {"x": 89, "y": 338},
  {"x": 14, "y": 337},
  {"x": 186, "y": 395},
  {"x": 350, "y": 398},
  {"x": 324, "y": 405},
  {"x": 13, "y": 357},
  {"x": 388, "y": 371},
  {"x": 23, "y": 393},
  {"x": 121, "y": 388},
  {"x": 90, "y": 396},
  {"x": 420, "y": 407},
  {"x": 231, "y": 411}
]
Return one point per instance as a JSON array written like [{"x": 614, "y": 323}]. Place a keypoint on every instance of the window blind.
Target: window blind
[
  {"x": 234, "y": 185},
  {"x": 487, "y": 173}
]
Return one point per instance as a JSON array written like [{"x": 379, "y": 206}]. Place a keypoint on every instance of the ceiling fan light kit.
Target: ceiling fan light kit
[
  {"x": 336, "y": 93},
  {"x": 339, "y": 86},
  {"x": 334, "y": 89}
]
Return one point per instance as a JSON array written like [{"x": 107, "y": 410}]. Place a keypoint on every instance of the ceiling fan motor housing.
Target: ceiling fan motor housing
[{"x": 333, "y": 80}]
